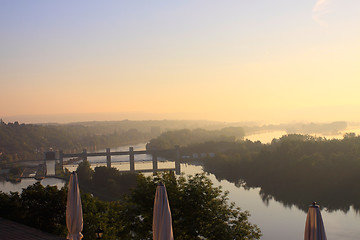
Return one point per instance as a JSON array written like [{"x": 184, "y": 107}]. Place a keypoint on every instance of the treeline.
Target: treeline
[
  {"x": 29, "y": 141},
  {"x": 295, "y": 169},
  {"x": 186, "y": 137},
  {"x": 300, "y": 128},
  {"x": 108, "y": 184},
  {"x": 199, "y": 210},
  {"x": 105, "y": 127}
]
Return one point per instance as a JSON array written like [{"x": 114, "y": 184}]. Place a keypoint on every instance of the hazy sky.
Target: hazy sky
[{"x": 240, "y": 60}]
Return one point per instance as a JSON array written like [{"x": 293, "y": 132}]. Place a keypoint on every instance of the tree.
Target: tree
[
  {"x": 199, "y": 210},
  {"x": 84, "y": 172},
  {"x": 110, "y": 184},
  {"x": 37, "y": 206}
]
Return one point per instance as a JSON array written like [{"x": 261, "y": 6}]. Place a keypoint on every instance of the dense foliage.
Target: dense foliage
[
  {"x": 107, "y": 184},
  {"x": 187, "y": 137},
  {"x": 296, "y": 169},
  {"x": 198, "y": 208},
  {"x": 36, "y": 206},
  {"x": 199, "y": 211},
  {"x": 29, "y": 141}
]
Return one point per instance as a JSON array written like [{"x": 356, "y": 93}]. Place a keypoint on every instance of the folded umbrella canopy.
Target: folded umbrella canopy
[
  {"x": 162, "y": 223},
  {"x": 74, "y": 216},
  {"x": 314, "y": 226}
]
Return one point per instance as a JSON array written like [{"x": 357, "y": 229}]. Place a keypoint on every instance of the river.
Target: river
[{"x": 275, "y": 220}]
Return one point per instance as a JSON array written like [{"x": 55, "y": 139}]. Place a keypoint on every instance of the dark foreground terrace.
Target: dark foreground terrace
[{"x": 10, "y": 230}]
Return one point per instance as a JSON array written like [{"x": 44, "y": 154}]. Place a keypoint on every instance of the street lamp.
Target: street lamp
[{"x": 99, "y": 233}]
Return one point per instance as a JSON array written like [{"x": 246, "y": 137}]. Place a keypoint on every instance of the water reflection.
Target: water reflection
[
  {"x": 8, "y": 187},
  {"x": 277, "y": 217},
  {"x": 268, "y": 136},
  {"x": 265, "y": 137},
  {"x": 125, "y": 166},
  {"x": 50, "y": 167},
  {"x": 275, "y": 220},
  {"x": 278, "y": 221},
  {"x": 295, "y": 194}
]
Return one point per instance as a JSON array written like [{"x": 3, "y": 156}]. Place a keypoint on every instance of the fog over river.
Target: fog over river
[{"x": 275, "y": 220}]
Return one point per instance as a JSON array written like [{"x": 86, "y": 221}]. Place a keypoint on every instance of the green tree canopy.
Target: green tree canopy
[
  {"x": 199, "y": 210},
  {"x": 186, "y": 137},
  {"x": 37, "y": 206}
]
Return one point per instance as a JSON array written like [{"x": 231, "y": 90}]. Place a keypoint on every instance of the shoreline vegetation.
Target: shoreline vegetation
[
  {"x": 20, "y": 142},
  {"x": 236, "y": 160},
  {"x": 199, "y": 210},
  {"x": 294, "y": 169}
]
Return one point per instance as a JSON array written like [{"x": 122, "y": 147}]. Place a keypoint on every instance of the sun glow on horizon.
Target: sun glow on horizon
[{"x": 241, "y": 61}]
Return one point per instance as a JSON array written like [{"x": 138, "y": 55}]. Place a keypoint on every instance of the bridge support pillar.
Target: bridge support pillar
[
  {"x": 84, "y": 155},
  {"x": 132, "y": 160},
  {"x": 44, "y": 167},
  {"x": 108, "y": 158},
  {"x": 155, "y": 163},
  {"x": 177, "y": 160},
  {"x": 61, "y": 159}
]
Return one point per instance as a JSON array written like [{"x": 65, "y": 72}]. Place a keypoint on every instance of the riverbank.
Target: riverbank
[{"x": 268, "y": 213}]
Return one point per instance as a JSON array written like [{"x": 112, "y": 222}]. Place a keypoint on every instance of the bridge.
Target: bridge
[{"x": 84, "y": 155}]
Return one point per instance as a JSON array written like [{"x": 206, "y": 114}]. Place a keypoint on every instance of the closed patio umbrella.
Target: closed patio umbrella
[
  {"x": 74, "y": 216},
  {"x": 314, "y": 226},
  {"x": 162, "y": 223}
]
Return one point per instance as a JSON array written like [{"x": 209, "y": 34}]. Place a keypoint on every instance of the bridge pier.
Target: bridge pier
[
  {"x": 177, "y": 160},
  {"x": 108, "y": 158},
  {"x": 155, "y": 163},
  {"x": 84, "y": 155},
  {"x": 132, "y": 159},
  {"x": 61, "y": 159}
]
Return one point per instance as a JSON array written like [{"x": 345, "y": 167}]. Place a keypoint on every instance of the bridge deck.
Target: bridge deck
[
  {"x": 113, "y": 161},
  {"x": 97, "y": 154}
]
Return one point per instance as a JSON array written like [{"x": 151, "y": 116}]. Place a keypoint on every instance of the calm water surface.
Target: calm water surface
[
  {"x": 267, "y": 137},
  {"x": 8, "y": 187},
  {"x": 274, "y": 219}
]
